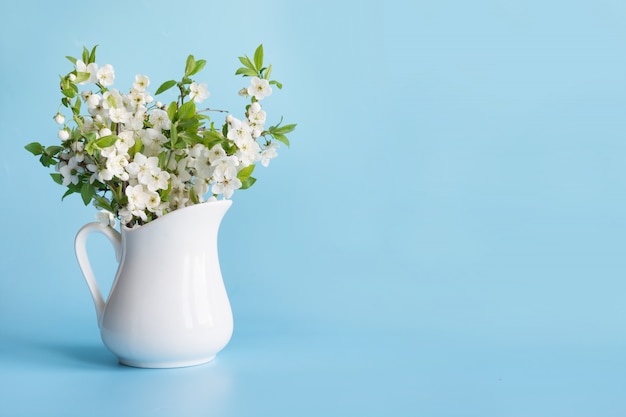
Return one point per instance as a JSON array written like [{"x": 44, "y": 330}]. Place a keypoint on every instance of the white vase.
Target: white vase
[{"x": 168, "y": 306}]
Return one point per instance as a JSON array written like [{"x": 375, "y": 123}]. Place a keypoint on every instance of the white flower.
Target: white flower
[
  {"x": 248, "y": 152},
  {"x": 256, "y": 119},
  {"x": 269, "y": 153},
  {"x": 92, "y": 69},
  {"x": 153, "y": 201},
  {"x": 115, "y": 164},
  {"x": 226, "y": 168},
  {"x": 181, "y": 172},
  {"x": 136, "y": 120},
  {"x": 239, "y": 131},
  {"x": 125, "y": 215},
  {"x": 137, "y": 197},
  {"x": 106, "y": 75},
  {"x": 63, "y": 134},
  {"x": 151, "y": 140},
  {"x": 70, "y": 172},
  {"x": 142, "y": 166},
  {"x": 157, "y": 179},
  {"x": 92, "y": 100},
  {"x": 136, "y": 99},
  {"x": 259, "y": 88},
  {"x": 112, "y": 99},
  {"x": 119, "y": 115},
  {"x": 216, "y": 152},
  {"x": 160, "y": 120},
  {"x": 141, "y": 82},
  {"x": 105, "y": 175},
  {"x": 198, "y": 151},
  {"x": 59, "y": 118},
  {"x": 126, "y": 141},
  {"x": 201, "y": 187},
  {"x": 95, "y": 105},
  {"x": 105, "y": 131},
  {"x": 78, "y": 148},
  {"x": 106, "y": 218},
  {"x": 198, "y": 92},
  {"x": 226, "y": 186},
  {"x": 254, "y": 108},
  {"x": 203, "y": 167}
]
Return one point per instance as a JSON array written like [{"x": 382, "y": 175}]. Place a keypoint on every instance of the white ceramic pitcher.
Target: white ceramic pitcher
[{"x": 168, "y": 306}]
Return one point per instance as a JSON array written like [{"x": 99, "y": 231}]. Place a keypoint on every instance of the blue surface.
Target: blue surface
[{"x": 445, "y": 236}]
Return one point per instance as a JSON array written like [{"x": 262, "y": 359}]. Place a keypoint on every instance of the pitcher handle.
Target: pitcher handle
[{"x": 80, "y": 247}]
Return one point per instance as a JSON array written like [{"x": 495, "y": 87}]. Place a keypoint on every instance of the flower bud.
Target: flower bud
[
  {"x": 63, "y": 134},
  {"x": 72, "y": 77},
  {"x": 59, "y": 118},
  {"x": 159, "y": 104},
  {"x": 243, "y": 92},
  {"x": 255, "y": 107}
]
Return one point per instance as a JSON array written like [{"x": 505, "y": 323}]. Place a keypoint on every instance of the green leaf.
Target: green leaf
[
  {"x": 67, "y": 88},
  {"x": 284, "y": 129},
  {"x": 106, "y": 141},
  {"x": 198, "y": 66},
  {"x": 53, "y": 150},
  {"x": 191, "y": 125},
  {"x": 76, "y": 110},
  {"x": 71, "y": 59},
  {"x": 162, "y": 159},
  {"x": 35, "y": 148},
  {"x": 68, "y": 192},
  {"x": 85, "y": 55},
  {"x": 81, "y": 76},
  {"x": 47, "y": 160},
  {"x": 187, "y": 110},
  {"x": 171, "y": 110},
  {"x": 86, "y": 192},
  {"x": 282, "y": 138},
  {"x": 72, "y": 188},
  {"x": 277, "y": 84},
  {"x": 245, "y": 178},
  {"x": 245, "y": 172},
  {"x": 212, "y": 135},
  {"x": 165, "y": 194},
  {"x": 165, "y": 86},
  {"x": 174, "y": 134},
  {"x": 103, "y": 203},
  {"x": 268, "y": 72},
  {"x": 247, "y": 183},
  {"x": 258, "y": 57},
  {"x": 92, "y": 55},
  {"x": 247, "y": 63},
  {"x": 90, "y": 136},
  {"x": 190, "y": 65},
  {"x": 58, "y": 178},
  {"x": 246, "y": 72}
]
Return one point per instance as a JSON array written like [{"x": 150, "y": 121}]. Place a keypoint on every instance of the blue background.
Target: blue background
[{"x": 444, "y": 237}]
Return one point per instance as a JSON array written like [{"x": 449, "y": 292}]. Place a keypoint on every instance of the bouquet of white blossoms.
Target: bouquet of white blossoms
[{"x": 138, "y": 159}]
